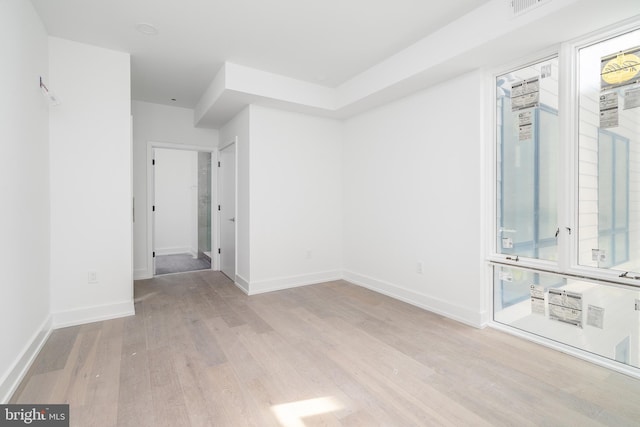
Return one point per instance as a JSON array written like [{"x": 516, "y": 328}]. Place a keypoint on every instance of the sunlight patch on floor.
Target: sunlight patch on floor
[{"x": 291, "y": 414}]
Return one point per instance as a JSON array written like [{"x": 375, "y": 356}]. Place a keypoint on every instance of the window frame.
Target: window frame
[
  {"x": 572, "y": 48},
  {"x": 536, "y": 242},
  {"x": 567, "y": 263},
  {"x": 493, "y": 255}
]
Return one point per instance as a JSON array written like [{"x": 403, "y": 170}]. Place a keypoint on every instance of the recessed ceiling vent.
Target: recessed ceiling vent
[{"x": 518, "y": 7}]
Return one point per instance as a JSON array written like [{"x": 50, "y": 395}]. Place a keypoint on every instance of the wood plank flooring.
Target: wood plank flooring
[{"x": 201, "y": 353}]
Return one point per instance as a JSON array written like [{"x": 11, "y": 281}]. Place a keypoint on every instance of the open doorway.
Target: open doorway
[{"x": 182, "y": 184}]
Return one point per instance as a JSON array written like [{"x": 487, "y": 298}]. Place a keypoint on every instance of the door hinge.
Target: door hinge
[
  {"x": 154, "y": 254},
  {"x": 153, "y": 208},
  {"x": 218, "y": 164},
  {"x": 218, "y": 250},
  {"x": 218, "y": 207},
  {"x": 153, "y": 162}
]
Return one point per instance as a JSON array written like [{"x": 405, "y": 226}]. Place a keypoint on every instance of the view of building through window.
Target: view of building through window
[
  {"x": 608, "y": 152},
  {"x": 568, "y": 208}
]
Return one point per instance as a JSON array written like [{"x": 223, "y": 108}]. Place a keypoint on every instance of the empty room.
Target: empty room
[{"x": 287, "y": 213}]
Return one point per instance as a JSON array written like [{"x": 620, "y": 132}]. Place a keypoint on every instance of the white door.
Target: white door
[
  {"x": 227, "y": 194},
  {"x": 153, "y": 211}
]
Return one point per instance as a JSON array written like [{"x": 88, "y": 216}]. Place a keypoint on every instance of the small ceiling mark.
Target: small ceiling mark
[{"x": 147, "y": 29}]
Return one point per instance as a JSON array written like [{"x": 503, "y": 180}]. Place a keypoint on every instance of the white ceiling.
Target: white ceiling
[{"x": 324, "y": 42}]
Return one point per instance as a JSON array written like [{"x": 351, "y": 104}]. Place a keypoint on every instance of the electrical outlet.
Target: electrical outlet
[
  {"x": 420, "y": 268},
  {"x": 93, "y": 277}
]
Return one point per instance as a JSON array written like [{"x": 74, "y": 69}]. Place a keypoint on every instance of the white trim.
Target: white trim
[
  {"x": 215, "y": 215},
  {"x": 236, "y": 171},
  {"x": 491, "y": 151},
  {"x": 16, "y": 373},
  {"x": 486, "y": 314},
  {"x": 142, "y": 274},
  {"x": 242, "y": 283},
  {"x": 435, "y": 305},
  {"x": 133, "y": 208},
  {"x": 227, "y": 144},
  {"x": 149, "y": 163},
  {"x": 281, "y": 283},
  {"x": 97, "y": 313},
  {"x": 491, "y": 255},
  {"x": 216, "y": 221},
  {"x": 568, "y": 159},
  {"x": 176, "y": 251},
  {"x": 184, "y": 147},
  {"x": 572, "y": 351},
  {"x": 524, "y": 262},
  {"x": 486, "y": 194}
]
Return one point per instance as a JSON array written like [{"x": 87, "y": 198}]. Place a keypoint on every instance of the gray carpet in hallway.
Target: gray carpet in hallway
[{"x": 179, "y": 263}]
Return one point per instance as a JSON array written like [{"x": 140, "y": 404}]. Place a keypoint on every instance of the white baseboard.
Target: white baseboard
[
  {"x": 142, "y": 274},
  {"x": 98, "y": 313},
  {"x": 16, "y": 373},
  {"x": 485, "y": 319},
  {"x": 280, "y": 283},
  {"x": 174, "y": 251},
  {"x": 242, "y": 283},
  {"x": 436, "y": 305}
]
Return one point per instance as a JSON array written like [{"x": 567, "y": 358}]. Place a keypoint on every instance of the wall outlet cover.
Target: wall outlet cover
[{"x": 92, "y": 277}]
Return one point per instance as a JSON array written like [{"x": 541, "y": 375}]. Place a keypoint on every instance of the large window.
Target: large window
[
  {"x": 527, "y": 166},
  {"x": 566, "y": 253},
  {"x": 609, "y": 154},
  {"x": 585, "y": 315}
]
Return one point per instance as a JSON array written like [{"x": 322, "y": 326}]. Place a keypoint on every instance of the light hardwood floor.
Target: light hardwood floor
[{"x": 201, "y": 353}]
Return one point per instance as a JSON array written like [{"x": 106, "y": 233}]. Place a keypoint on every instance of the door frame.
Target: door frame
[
  {"x": 151, "y": 145},
  {"x": 218, "y": 221}
]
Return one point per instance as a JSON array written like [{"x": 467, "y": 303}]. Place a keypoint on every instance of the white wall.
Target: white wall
[
  {"x": 157, "y": 123},
  {"x": 296, "y": 199},
  {"x": 239, "y": 127},
  {"x": 91, "y": 211},
  {"x": 176, "y": 202},
  {"x": 412, "y": 193},
  {"x": 24, "y": 191}
]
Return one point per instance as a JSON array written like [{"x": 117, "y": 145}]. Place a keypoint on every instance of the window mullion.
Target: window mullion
[{"x": 567, "y": 197}]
